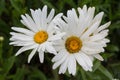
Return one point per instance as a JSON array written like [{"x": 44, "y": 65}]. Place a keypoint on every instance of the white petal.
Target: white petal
[
  {"x": 99, "y": 36},
  {"x": 92, "y": 44},
  {"x": 41, "y": 56},
  {"x": 106, "y": 40},
  {"x": 50, "y": 16},
  {"x": 90, "y": 30},
  {"x": 102, "y": 27},
  {"x": 72, "y": 65},
  {"x": 90, "y": 51},
  {"x": 98, "y": 57},
  {"x": 53, "y": 23},
  {"x": 71, "y": 21},
  {"x": 103, "y": 42},
  {"x": 63, "y": 66},
  {"x": 56, "y": 37},
  {"x": 22, "y": 43},
  {"x": 62, "y": 25},
  {"x": 85, "y": 8},
  {"x": 98, "y": 17},
  {"x": 44, "y": 18},
  {"x": 23, "y": 30},
  {"x": 19, "y": 36},
  {"x": 44, "y": 12},
  {"x": 26, "y": 22},
  {"x": 59, "y": 43},
  {"x": 85, "y": 21},
  {"x": 87, "y": 59},
  {"x": 14, "y": 43},
  {"x": 90, "y": 15},
  {"x": 75, "y": 15},
  {"x": 42, "y": 47},
  {"x": 31, "y": 55},
  {"x": 25, "y": 48},
  {"x": 50, "y": 49},
  {"x": 59, "y": 62},
  {"x": 65, "y": 18},
  {"x": 84, "y": 61},
  {"x": 91, "y": 58},
  {"x": 81, "y": 61},
  {"x": 57, "y": 16},
  {"x": 32, "y": 23},
  {"x": 58, "y": 56},
  {"x": 36, "y": 15}
]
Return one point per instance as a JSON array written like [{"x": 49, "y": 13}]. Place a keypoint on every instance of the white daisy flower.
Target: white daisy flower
[
  {"x": 39, "y": 36},
  {"x": 83, "y": 42}
]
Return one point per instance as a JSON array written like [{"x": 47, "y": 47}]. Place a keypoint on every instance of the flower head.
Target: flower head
[
  {"x": 83, "y": 42},
  {"x": 39, "y": 35}
]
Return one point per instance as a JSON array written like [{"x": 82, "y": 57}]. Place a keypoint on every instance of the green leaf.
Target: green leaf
[
  {"x": 55, "y": 73},
  {"x": 71, "y": 3},
  {"x": 115, "y": 67},
  {"x": 20, "y": 74},
  {"x": 4, "y": 27},
  {"x": 2, "y": 77},
  {"x": 15, "y": 5},
  {"x": 8, "y": 63},
  {"x": 83, "y": 74},
  {"x": 112, "y": 48},
  {"x": 2, "y": 6},
  {"x": 105, "y": 72},
  {"x": 1, "y": 51},
  {"x": 96, "y": 65},
  {"x": 37, "y": 74},
  {"x": 49, "y": 4}
]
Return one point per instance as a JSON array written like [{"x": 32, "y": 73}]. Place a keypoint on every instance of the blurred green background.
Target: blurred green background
[{"x": 17, "y": 68}]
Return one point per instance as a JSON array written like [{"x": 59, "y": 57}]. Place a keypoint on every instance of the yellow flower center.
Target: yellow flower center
[
  {"x": 73, "y": 44},
  {"x": 40, "y": 37}
]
